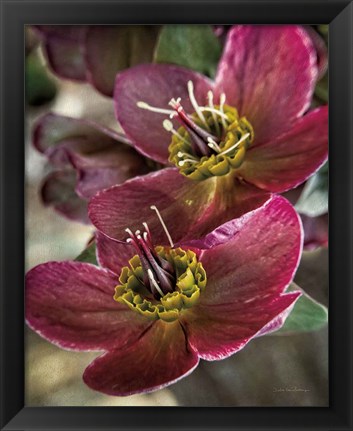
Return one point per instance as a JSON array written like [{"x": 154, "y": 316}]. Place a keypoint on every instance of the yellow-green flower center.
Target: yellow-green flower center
[
  {"x": 190, "y": 281},
  {"x": 226, "y": 151}
]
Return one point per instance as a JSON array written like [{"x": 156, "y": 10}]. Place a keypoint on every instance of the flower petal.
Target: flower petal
[
  {"x": 100, "y": 155},
  {"x": 321, "y": 50},
  {"x": 109, "y": 49},
  {"x": 290, "y": 159},
  {"x": 268, "y": 73},
  {"x": 71, "y": 304},
  {"x": 217, "y": 332},
  {"x": 259, "y": 260},
  {"x": 158, "y": 359},
  {"x": 58, "y": 191},
  {"x": 155, "y": 84},
  {"x": 63, "y": 48},
  {"x": 111, "y": 254},
  {"x": 189, "y": 209}
]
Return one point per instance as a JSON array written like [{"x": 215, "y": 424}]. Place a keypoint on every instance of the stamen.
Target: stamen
[
  {"x": 153, "y": 207},
  {"x": 129, "y": 232},
  {"x": 221, "y": 103},
  {"x": 168, "y": 125},
  {"x": 212, "y": 144},
  {"x": 212, "y": 110},
  {"x": 144, "y": 105},
  {"x": 153, "y": 281},
  {"x": 215, "y": 111},
  {"x": 181, "y": 154},
  {"x": 242, "y": 139},
  {"x": 182, "y": 162},
  {"x": 195, "y": 105}
]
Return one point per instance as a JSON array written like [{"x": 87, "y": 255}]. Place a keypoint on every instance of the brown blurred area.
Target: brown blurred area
[{"x": 270, "y": 371}]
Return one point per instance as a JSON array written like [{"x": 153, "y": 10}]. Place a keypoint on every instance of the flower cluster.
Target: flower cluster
[{"x": 195, "y": 258}]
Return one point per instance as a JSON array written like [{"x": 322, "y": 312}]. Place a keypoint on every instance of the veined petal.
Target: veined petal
[
  {"x": 111, "y": 254},
  {"x": 158, "y": 359},
  {"x": 189, "y": 209},
  {"x": 64, "y": 51},
  {"x": 58, "y": 191},
  {"x": 99, "y": 155},
  {"x": 260, "y": 259},
  {"x": 155, "y": 84},
  {"x": 290, "y": 159},
  {"x": 71, "y": 304},
  {"x": 268, "y": 73},
  {"x": 180, "y": 202},
  {"x": 217, "y": 332}
]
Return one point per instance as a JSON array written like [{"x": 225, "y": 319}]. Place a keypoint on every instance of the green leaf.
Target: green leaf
[
  {"x": 313, "y": 200},
  {"x": 88, "y": 255},
  {"x": 307, "y": 315},
  {"x": 192, "y": 46},
  {"x": 40, "y": 88}
]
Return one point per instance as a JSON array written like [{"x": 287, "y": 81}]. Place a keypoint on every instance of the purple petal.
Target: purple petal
[
  {"x": 111, "y": 254},
  {"x": 156, "y": 85},
  {"x": 71, "y": 304},
  {"x": 58, "y": 191},
  {"x": 290, "y": 159},
  {"x": 321, "y": 51},
  {"x": 217, "y": 332},
  {"x": 260, "y": 259},
  {"x": 158, "y": 359},
  {"x": 63, "y": 49},
  {"x": 268, "y": 73},
  {"x": 99, "y": 155},
  {"x": 189, "y": 209}
]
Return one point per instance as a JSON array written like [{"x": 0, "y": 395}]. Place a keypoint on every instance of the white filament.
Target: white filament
[
  {"x": 144, "y": 105},
  {"x": 212, "y": 144},
  {"x": 242, "y": 139},
  {"x": 182, "y": 162},
  {"x": 195, "y": 104},
  {"x": 212, "y": 110},
  {"x": 221, "y": 104},
  {"x": 153, "y": 281},
  {"x": 168, "y": 125},
  {"x": 153, "y": 207}
]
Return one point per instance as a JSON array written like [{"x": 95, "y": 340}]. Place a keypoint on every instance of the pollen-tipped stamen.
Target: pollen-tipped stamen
[
  {"x": 154, "y": 208},
  {"x": 241, "y": 140}
]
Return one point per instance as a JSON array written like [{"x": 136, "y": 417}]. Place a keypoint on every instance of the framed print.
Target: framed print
[{"x": 176, "y": 215}]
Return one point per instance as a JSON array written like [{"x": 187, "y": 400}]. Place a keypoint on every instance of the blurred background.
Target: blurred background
[{"x": 289, "y": 370}]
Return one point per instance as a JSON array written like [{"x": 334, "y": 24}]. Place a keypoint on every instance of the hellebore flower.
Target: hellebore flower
[
  {"x": 156, "y": 309},
  {"x": 87, "y": 158},
  {"x": 241, "y": 137},
  {"x": 94, "y": 53}
]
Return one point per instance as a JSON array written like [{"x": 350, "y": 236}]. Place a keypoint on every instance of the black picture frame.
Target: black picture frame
[{"x": 17, "y": 13}]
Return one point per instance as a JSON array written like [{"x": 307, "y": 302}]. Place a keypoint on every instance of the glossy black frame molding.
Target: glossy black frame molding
[{"x": 14, "y": 15}]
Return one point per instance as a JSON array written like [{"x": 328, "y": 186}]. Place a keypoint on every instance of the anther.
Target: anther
[
  {"x": 212, "y": 144},
  {"x": 182, "y": 162},
  {"x": 168, "y": 125},
  {"x": 153, "y": 207}
]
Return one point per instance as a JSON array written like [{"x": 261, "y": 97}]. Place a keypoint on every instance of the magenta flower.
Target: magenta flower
[
  {"x": 87, "y": 158},
  {"x": 155, "y": 311},
  {"x": 241, "y": 137}
]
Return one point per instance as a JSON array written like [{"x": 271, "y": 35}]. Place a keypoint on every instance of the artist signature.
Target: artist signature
[{"x": 291, "y": 389}]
